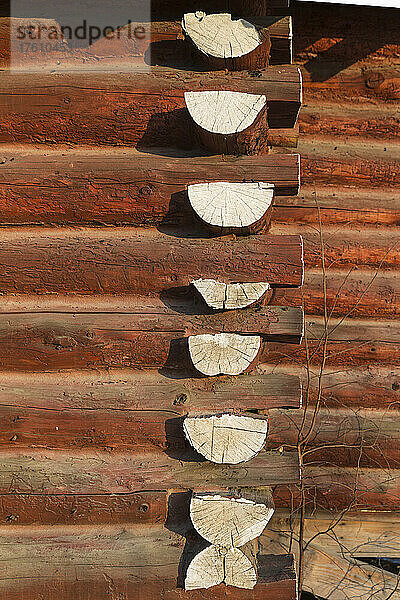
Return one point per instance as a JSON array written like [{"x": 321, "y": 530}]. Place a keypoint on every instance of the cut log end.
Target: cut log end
[
  {"x": 223, "y": 296},
  {"x": 226, "y": 521},
  {"x": 229, "y": 122},
  {"x": 223, "y": 353},
  {"x": 225, "y": 43},
  {"x": 216, "y": 565},
  {"x": 226, "y": 439},
  {"x": 240, "y": 208}
]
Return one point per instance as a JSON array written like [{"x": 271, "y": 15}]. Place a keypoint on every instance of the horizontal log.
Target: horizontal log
[
  {"x": 340, "y": 436},
  {"x": 152, "y": 103},
  {"x": 138, "y": 562},
  {"x": 54, "y": 472},
  {"x": 338, "y": 205},
  {"x": 121, "y": 186},
  {"x": 354, "y": 387},
  {"x": 333, "y": 574},
  {"x": 338, "y": 488},
  {"x": 118, "y": 336},
  {"x": 140, "y": 262},
  {"x": 348, "y": 249},
  {"x": 147, "y": 391},
  {"x": 356, "y": 162},
  {"x": 362, "y": 291},
  {"x": 162, "y": 42},
  {"x": 349, "y": 119}
]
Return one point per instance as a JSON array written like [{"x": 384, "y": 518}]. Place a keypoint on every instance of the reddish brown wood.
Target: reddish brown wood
[
  {"x": 50, "y": 472},
  {"x": 148, "y": 391},
  {"x": 101, "y": 261},
  {"x": 111, "y": 337},
  {"x": 152, "y": 104},
  {"x": 138, "y": 561},
  {"x": 122, "y": 186}
]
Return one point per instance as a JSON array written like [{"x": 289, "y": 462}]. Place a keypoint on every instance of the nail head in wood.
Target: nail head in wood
[
  {"x": 216, "y": 565},
  {"x": 229, "y": 122},
  {"x": 225, "y": 43},
  {"x": 227, "y": 438},
  {"x": 226, "y": 521},
  {"x": 239, "y": 208},
  {"x": 223, "y": 353}
]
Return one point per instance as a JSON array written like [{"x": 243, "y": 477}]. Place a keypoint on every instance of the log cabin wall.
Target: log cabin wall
[{"x": 347, "y": 213}]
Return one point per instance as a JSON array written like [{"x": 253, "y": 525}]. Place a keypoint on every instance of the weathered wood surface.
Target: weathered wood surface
[
  {"x": 60, "y": 472},
  {"x": 333, "y": 573},
  {"x": 152, "y": 103},
  {"x": 117, "y": 391},
  {"x": 78, "y": 340},
  {"x": 133, "y": 562},
  {"x": 219, "y": 41},
  {"x": 122, "y": 186},
  {"x": 162, "y": 44},
  {"x": 140, "y": 262}
]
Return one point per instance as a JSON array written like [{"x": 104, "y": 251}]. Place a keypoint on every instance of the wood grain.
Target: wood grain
[
  {"x": 101, "y": 261},
  {"x": 152, "y": 104},
  {"x": 121, "y": 186}
]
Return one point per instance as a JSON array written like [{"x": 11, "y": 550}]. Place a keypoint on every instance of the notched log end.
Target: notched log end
[
  {"x": 223, "y": 353},
  {"x": 226, "y": 521},
  {"x": 225, "y": 43},
  {"x": 231, "y": 296},
  {"x": 216, "y": 565},
  {"x": 229, "y": 122},
  {"x": 226, "y": 438},
  {"x": 239, "y": 208}
]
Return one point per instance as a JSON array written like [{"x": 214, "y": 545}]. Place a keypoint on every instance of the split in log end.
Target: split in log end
[
  {"x": 239, "y": 208},
  {"x": 227, "y": 438},
  {"x": 231, "y": 296},
  {"x": 223, "y": 353},
  {"x": 216, "y": 565},
  {"x": 226, "y": 521}
]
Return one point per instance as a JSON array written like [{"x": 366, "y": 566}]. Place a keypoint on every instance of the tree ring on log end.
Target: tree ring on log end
[
  {"x": 229, "y": 122},
  {"x": 216, "y": 565},
  {"x": 226, "y": 521},
  {"x": 239, "y": 208},
  {"x": 225, "y": 43},
  {"x": 223, "y": 353},
  {"x": 226, "y": 439},
  {"x": 230, "y": 296}
]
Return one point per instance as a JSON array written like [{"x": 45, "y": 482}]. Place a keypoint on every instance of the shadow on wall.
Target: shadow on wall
[{"x": 331, "y": 37}]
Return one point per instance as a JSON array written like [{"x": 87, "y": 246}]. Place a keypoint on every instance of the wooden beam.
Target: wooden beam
[
  {"x": 122, "y": 186},
  {"x": 152, "y": 103},
  {"x": 56, "y": 472},
  {"x": 62, "y": 562},
  {"x": 138, "y": 261},
  {"x": 116, "y": 391}
]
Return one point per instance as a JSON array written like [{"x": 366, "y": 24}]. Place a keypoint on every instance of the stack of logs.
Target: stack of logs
[{"x": 193, "y": 303}]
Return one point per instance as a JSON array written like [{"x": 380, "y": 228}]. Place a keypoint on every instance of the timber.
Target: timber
[
  {"x": 215, "y": 565},
  {"x": 220, "y": 42},
  {"x": 223, "y": 353},
  {"x": 229, "y": 521},
  {"x": 162, "y": 45},
  {"x": 229, "y": 122},
  {"x": 143, "y": 562},
  {"x": 122, "y": 186},
  {"x": 226, "y": 438},
  {"x": 58, "y": 472},
  {"x": 226, "y": 207},
  {"x": 228, "y": 296},
  {"x": 143, "y": 261},
  {"x": 153, "y": 104}
]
